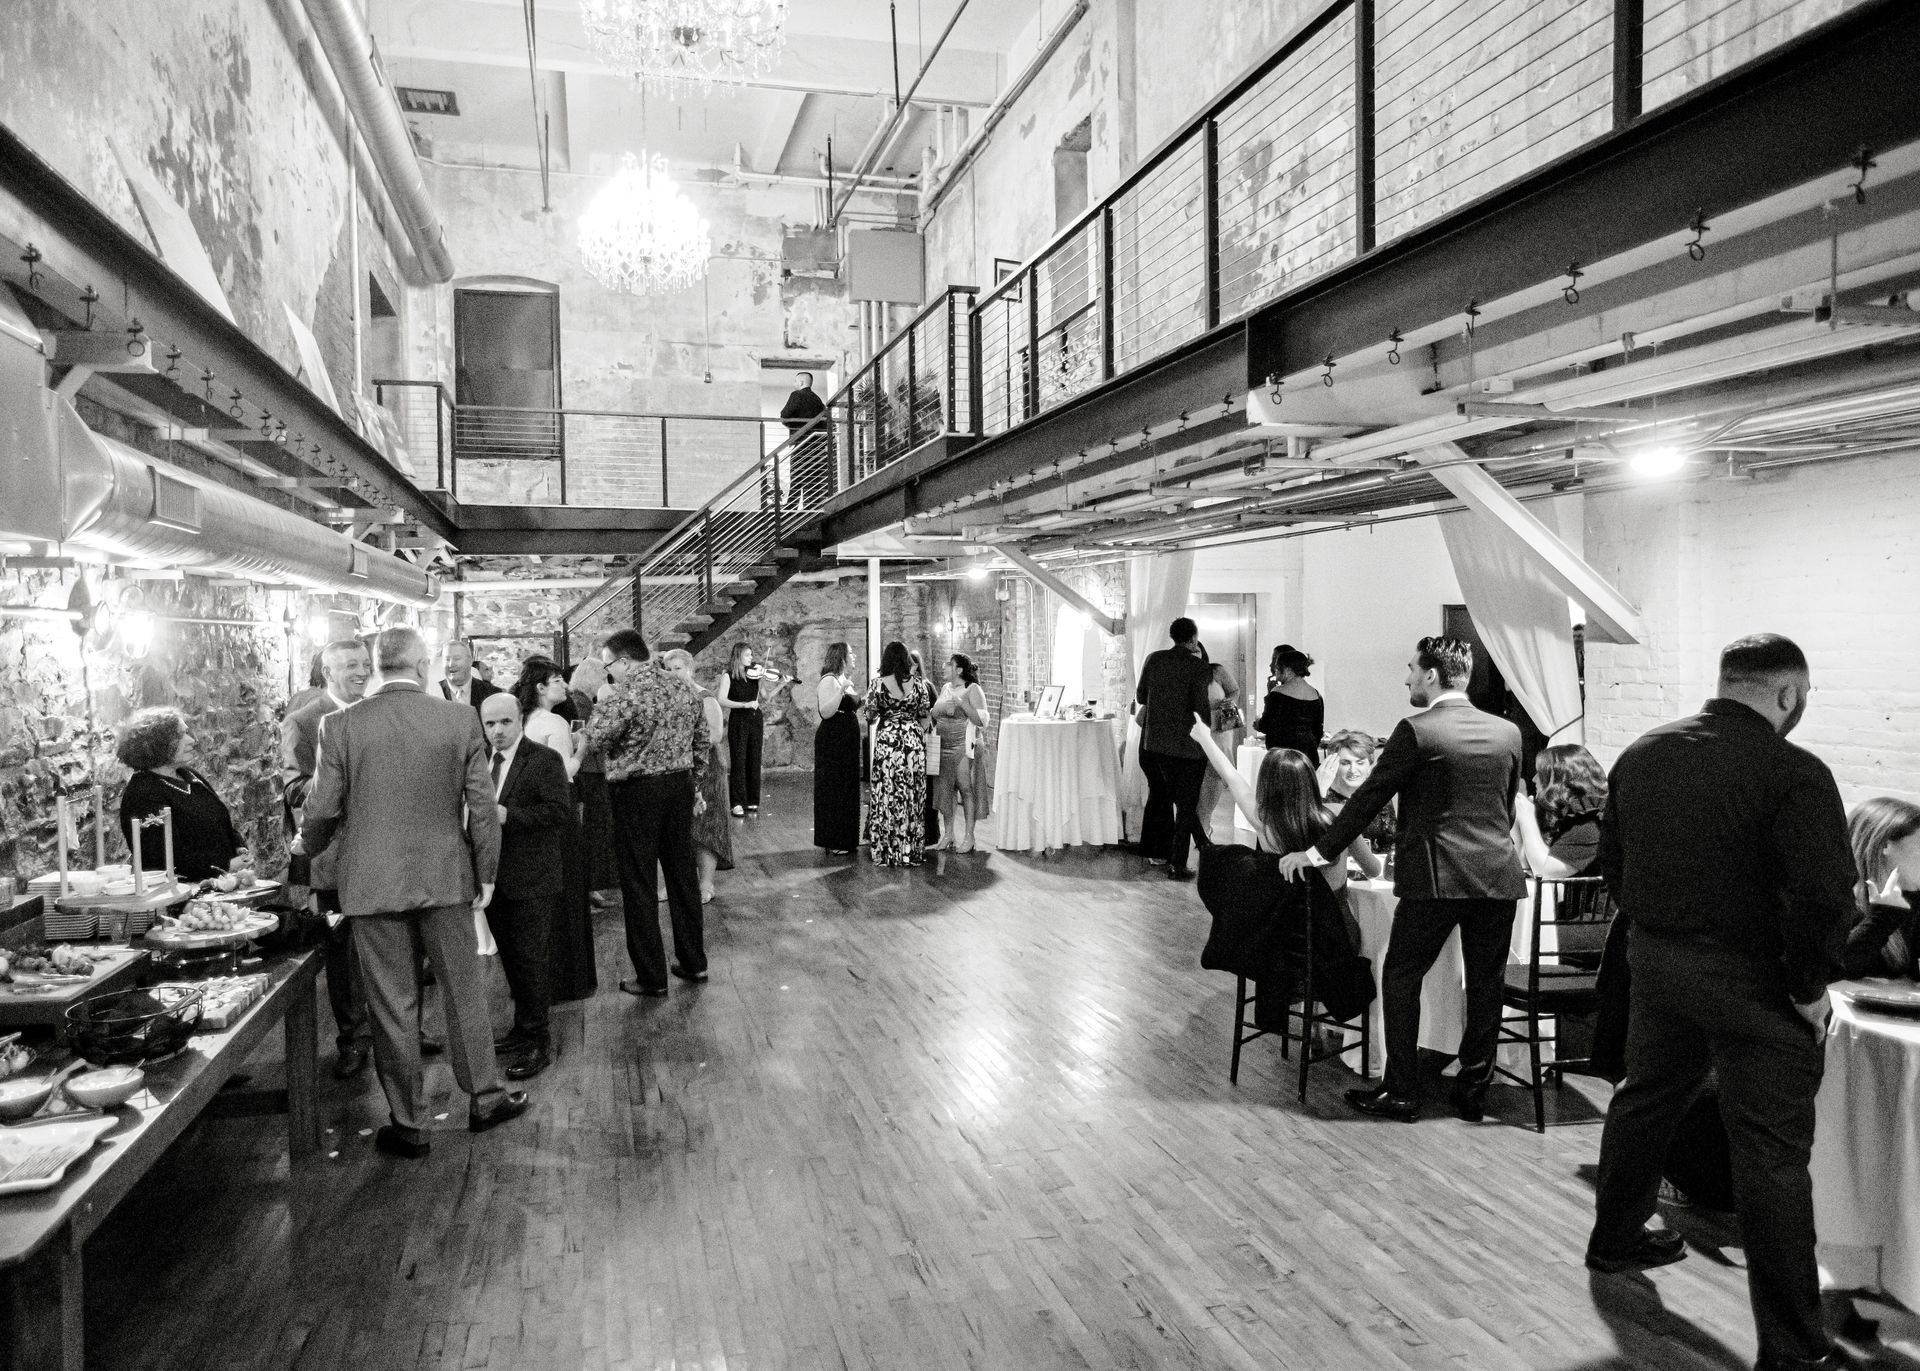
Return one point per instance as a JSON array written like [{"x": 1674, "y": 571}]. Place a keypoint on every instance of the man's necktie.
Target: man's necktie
[{"x": 496, "y": 774}]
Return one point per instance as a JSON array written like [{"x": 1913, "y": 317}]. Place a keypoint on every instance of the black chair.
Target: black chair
[
  {"x": 1296, "y": 972},
  {"x": 1555, "y": 984}
]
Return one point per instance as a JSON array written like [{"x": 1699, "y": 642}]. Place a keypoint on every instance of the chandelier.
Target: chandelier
[
  {"x": 686, "y": 44},
  {"x": 641, "y": 235}
]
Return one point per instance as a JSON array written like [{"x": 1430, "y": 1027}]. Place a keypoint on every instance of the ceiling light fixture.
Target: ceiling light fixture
[
  {"x": 686, "y": 45},
  {"x": 1658, "y": 461},
  {"x": 641, "y": 235}
]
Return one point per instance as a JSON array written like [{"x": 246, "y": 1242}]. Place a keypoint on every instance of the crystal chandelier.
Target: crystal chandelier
[
  {"x": 682, "y": 44},
  {"x": 641, "y": 235}
]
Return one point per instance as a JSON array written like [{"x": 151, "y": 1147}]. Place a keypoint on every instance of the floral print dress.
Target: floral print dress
[{"x": 896, "y": 826}]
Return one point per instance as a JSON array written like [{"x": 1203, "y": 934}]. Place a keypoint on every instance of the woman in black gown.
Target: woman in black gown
[
  {"x": 157, "y": 745},
  {"x": 1295, "y": 716},
  {"x": 836, "y": 756}
]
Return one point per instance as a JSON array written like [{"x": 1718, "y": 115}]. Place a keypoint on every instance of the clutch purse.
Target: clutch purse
[{"x": 1226, "y": 715}]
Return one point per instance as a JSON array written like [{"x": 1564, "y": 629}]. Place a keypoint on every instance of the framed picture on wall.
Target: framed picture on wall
[
  {"x": 1049, "y": 706},
  {"x": 1003, "y": 267}
]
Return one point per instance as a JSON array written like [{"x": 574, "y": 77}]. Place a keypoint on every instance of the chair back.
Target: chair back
[{"x": 1579, "y": 911}]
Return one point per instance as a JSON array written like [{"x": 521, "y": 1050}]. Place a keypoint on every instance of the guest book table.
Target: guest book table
[{"x": 1056, "y": 783}]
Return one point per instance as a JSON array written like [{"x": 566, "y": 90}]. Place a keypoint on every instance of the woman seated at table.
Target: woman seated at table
[
  {"x": 1284, "y": 805},
  {"x": 1885, "y": 939},
  {"x": 1559, "y": 833},
  {"x": 157, "y": 744},
  {"x": 1348, "y": 758}
]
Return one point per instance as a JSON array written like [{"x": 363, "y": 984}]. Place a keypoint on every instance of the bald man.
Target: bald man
[{"x": 533, "y": 803}]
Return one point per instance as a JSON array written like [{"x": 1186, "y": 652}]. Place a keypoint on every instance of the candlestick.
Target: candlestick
[
  {"x": 139, "y": 867},
  {"x": 99, "y": 827},
  {"x": 60, "y": 822},
  {"x": 169, "y": 836}
]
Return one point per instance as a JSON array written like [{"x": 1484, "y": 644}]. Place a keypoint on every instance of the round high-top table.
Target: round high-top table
[
  {"x": 1866, "y": 1148},
  {"x": 1056, "y": 782}
]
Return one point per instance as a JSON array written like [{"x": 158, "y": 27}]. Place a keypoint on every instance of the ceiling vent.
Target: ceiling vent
[{"x": 420, "y": 100}]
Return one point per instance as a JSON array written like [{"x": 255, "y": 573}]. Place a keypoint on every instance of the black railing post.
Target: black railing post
[
  {"x": 639, "y": 601},
  {"x": 977, "y": 380},
  {"x": 913, "y": 386},
  {"x": 949, "y": 417},
  {"x": 666, "y": 501},
  {"x": 779, "y": 498},
  {"x": 874, "y": 389},
  {"x": 1629, "y": 52},
  {"x": 440, "y": 453},
  {"x": 1363, "y": 151},
  {"x": 1106, "y": 291},
  {"x": 706, "y": 556},
  {"x": 1210, "y": 175},
  {"x": 561, "y": 419},
  {"x": 1030, "y": 402}
]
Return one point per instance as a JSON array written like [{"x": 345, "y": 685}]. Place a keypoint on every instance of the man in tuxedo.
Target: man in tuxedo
[
  {"x": 534, "y": 804},
  {"x": 462, "y": 682},
  {"x": 1172, "y": 689},
  {"x": 403, "y": 789},
  {"x": 1727, "y": 847},
  {"x": 1455, "y": 770},
  {"x": 809, "y": 458},
  {"x": 345, "y": 665}
]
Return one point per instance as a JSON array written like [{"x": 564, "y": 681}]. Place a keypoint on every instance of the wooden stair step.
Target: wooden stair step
[
  {"x": 737, "y": 589},
  {"x": 715, "y": 608},
  {"x": 760, "y": 573}
]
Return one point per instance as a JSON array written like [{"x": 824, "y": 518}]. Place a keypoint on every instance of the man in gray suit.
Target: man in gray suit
[{"x": 403, "y": 789}]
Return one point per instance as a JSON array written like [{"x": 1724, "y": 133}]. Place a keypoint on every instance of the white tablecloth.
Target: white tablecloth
[
  {"x": 1443, "y": 995},
  {"x": 1866, "y": 1153},
  {"x": 1056, "y": 782}
]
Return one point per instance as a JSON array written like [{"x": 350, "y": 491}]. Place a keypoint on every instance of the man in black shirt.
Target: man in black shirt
[
  {"x": 1727, "y": 847},
  {"x": 809, "y": 454},
  {"x": 1172, "y": 690}
]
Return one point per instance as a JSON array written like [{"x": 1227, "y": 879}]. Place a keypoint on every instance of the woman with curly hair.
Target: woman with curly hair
[
  {"x": 1559, "y": 833},
  {"x": 157, "y": 745}
]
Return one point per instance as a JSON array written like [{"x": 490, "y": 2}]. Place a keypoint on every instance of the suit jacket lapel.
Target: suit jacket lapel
[{"x": 513, "y": 771}]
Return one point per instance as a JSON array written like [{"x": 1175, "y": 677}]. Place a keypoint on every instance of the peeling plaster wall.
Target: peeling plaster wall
[
  {"x": 649, "y": 353},
  {"x": 213, "y": 98}
]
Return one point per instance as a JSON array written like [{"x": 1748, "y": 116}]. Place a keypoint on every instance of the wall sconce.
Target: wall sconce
[
  {"x": 319, "y": 628},
  {"x": 134, "y": 632}
]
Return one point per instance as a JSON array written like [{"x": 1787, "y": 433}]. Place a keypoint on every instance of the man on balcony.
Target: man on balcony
[{"x": 810, "y": 450}]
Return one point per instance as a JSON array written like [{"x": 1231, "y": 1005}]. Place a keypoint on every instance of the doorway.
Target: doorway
[{"x": 509, "y": 438}]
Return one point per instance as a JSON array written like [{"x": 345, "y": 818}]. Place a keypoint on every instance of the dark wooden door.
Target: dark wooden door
[{"x": 506, "y": 356}]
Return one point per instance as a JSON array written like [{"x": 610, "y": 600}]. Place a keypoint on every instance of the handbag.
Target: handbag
[
  {"x": 1226, "y": 715},
  {"x": 930, "y": 745}
]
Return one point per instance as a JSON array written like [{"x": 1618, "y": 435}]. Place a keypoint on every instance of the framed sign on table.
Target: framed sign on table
[{"x": 1049, "y": 706}]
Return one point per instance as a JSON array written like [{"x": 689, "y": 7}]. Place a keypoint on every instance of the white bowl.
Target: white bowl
[
  {"x": 21, "y": 1095},
  {"x": 105, "y": 1087},
  {"x": 86, "y": 882}
]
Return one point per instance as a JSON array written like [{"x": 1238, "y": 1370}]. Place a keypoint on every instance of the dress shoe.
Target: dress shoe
[
  {"x": 649, "y": 991},
  {"x": 1653, "y": 1247},
  {"x": 697, "y": 977},
  {"x": 965, "y": 844},
  {"x": 353, "y": 1060},
  {"x": 1381, "y": 1105},
  {"x": 1156, "y": 861},
  {"x": 1469, "y": 1100},
  {"x": 739, "y": 811},
  {"x": 530, "y": 1061},
  {"x": 431, "y": 1047},
  {"x": 512, "y": 1105},
  {"x": 394, "y": 1143},
  {"x": 1179, "y": 873}
]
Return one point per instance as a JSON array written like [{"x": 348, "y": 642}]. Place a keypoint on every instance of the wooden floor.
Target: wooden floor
[{"x": 969, "y": 1116}]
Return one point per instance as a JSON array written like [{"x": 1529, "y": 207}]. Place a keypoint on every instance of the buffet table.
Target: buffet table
[
  {"x": 1866, "y": 1153},
  {"x": 1056, "y": 782},
  {"x": 42, "y": 1232}
]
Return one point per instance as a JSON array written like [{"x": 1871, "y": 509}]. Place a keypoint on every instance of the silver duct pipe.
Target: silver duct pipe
[{"x": 363, "y": 82}]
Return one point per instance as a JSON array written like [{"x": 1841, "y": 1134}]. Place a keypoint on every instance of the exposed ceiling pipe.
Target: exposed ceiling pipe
[
  {"x": 884, "y": 134},
  {"x": 363, "y": 83},
  {"x": 964, "y": 158}
]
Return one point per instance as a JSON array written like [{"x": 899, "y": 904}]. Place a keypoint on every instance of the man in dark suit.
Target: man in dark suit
[
  {"x": 534, "y": 805},
  {"x": 1727, "y": 847},
  {"x": 345, "y": 665},
  {"x": 1455, "y": 770},
  {"x": 403, "y": 788},
  {"x": 462, "y": 682},
  {"x": 809, "y": 457},
  {"x": 1172, "y": 690}
]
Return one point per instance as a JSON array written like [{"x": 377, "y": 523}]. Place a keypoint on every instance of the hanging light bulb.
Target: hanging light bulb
[
  {"x": 641, "y": 235},
  {"x": 686, "y": 45},
  {"x": 1661, "y": 460}
]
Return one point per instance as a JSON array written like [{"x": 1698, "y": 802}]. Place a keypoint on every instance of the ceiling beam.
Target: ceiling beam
[{"x": 1106, "y": 622}]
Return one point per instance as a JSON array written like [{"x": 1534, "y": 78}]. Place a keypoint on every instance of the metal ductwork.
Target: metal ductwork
[
  {"x": 363, "y": 82},
  {"x": 62, "y": 483}
]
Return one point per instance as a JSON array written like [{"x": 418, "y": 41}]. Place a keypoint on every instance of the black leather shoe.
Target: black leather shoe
[
  {"x": 649, "y": 991},
  {"x": 1179, "y": 873},
  {"x": 431, "y": 1047},
  {"x": 394, "y": 1143},
  {"x": 1381, "y": 1105},
  {"x": 1661, "y": 1247},
  {"x": 1469, "y": 1101},
  {"x": 530, "y": 1062},
  {"x": 512, "y": 1105},
  {"x": 352, "y": 1061},
  {"x": 695, "y": 976}
]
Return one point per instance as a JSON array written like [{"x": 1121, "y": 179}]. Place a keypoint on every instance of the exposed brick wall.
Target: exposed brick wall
[{"x": 1827, "y": 555}]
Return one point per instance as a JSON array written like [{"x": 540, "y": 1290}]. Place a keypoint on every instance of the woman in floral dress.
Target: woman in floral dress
[{"x": 899, "y": 707}]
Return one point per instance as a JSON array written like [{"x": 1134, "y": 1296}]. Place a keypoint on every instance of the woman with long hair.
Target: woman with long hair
[
  {"x": 570, "y": 968},
  {"x": 961, "y": 709},
  {"x": 712, "y": 829},
  {"x": 836, "y": 755},
  {"x": 1284, "y": 805},
  {"x": 1293, "y": 715},
  {"x": 1885, "y": 938},
  {"x": 898, "y": 706},
  {"x": 1559, "y": 832},
  {"x": 746, "y": 724}
]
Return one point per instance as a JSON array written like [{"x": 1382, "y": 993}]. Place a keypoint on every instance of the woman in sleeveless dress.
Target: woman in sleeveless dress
[
  {"x": 712, "y": 829},
  {"x": 962, "y": 704},
  {"x": 541, "y": 686},
  {"x": 836, "y": 756},
  {"x": 899, "y": 707},
  {"x": 1295, "y": 716}
]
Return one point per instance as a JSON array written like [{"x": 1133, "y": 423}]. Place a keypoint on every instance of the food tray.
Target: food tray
[
  {"x": 174, "y": 938},
  {"x": 25, "y": 1005},
  {"x": 1900, "y": 1002},
  {"x": 58, "y": 1142}
]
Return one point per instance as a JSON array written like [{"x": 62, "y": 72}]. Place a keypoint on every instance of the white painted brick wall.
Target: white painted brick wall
[{"x": 1829, "y": 556}]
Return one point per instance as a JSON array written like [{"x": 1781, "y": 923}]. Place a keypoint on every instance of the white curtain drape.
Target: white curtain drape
[
  {"x": 1157, "y": 589},
  {"x": 1523, "y": 619}
]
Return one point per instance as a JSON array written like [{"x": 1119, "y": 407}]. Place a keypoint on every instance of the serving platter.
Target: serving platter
[
  {"x": 47, "y": 1148},
  {"x": 174, "y": 937}
]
